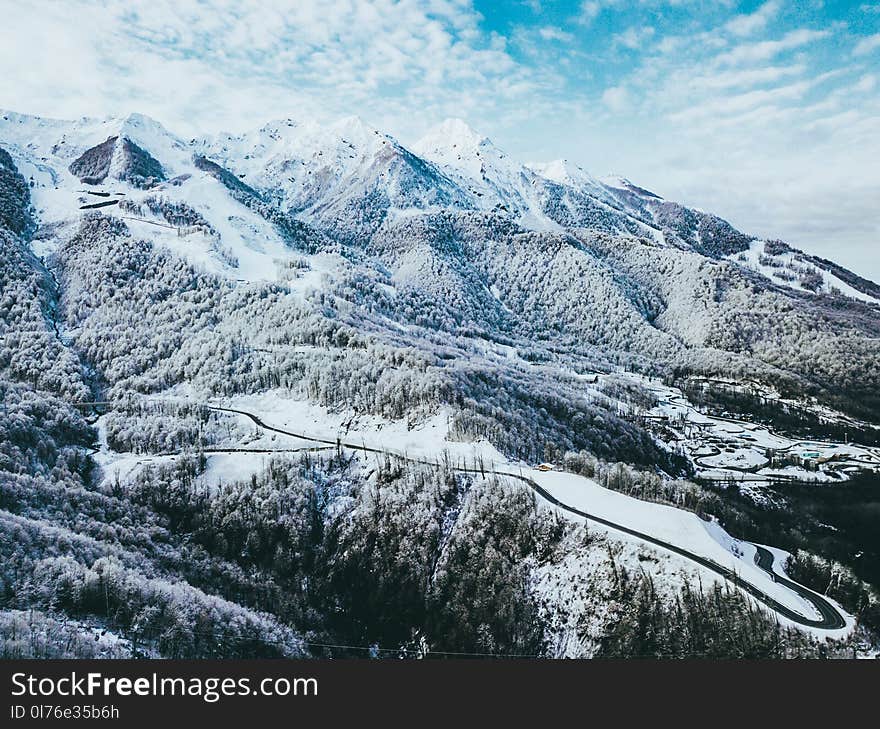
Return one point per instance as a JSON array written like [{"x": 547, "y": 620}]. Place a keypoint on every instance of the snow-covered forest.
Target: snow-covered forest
[{"x": 456, "y": 307}]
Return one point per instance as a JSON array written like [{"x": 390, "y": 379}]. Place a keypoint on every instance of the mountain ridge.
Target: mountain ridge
[
  {"x": 651, "y": 211},
  {"x": 454, "y": 222}
]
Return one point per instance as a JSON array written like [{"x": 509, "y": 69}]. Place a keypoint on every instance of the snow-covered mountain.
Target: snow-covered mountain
[
  {"x": 444, "y": 301},
  {"x": 342, "y": 175},
  {"x": 463, "y": 230}
]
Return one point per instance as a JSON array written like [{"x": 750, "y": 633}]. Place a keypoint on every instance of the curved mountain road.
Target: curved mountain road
[
  {"x": 830, "y": 614},
  {"x": 831, "y": 617}
]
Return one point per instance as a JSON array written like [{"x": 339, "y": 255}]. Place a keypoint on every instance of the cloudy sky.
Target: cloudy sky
[{"x": 767, "y": 113}]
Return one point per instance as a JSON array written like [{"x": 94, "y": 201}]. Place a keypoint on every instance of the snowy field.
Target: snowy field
[{"x": 787, "y": 265}]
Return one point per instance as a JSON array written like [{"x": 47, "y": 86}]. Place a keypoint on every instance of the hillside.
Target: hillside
[{"x": 441, "y": 317}]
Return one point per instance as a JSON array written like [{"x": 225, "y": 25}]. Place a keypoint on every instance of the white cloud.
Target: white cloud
[
  {"x": 752, "y": 132},
  {"x": 866, "y": 83},
  {"x": 764, "y": 50},
  {"x": 709, "y": 80},
  {"x": 867, "y": 45},
  {"x": 616, "y": 98},
  {"x": 589, "y": 11},
  {"x": 634, "y": 37},
  {"x": 723, "y": 107},
  {"x": 225, "y": 64},
  {"x": 748, "y": 24},
  {"x": 552, "y": 33}
]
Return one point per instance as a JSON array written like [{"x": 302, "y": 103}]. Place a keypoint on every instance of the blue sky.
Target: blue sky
[{"x": 767, "y": 113}]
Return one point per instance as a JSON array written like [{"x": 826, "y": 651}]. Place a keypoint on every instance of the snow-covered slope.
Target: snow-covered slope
[
  {"x": 349, "y": 178},
  {"x": 684, "y": 227},
  {"x": 429, "y": 440},
  {"x": 346, "y": 176},
  {"x": 456, "y": 224},
  {"x": 446, "y": 300},
  {"x": 580, "y": 200},
  {"x": 565, "y": 172},
  {"x": 241, "y": 244},
  {"x": 498, "y": 181},
  {"x": 789, "y": 267},
  {"x": 559, "y": 195}
]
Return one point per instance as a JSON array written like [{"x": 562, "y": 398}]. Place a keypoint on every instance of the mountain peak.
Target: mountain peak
[
  {"x": 354, "y": 123},
  {"x": 454, "y": 144},
  {"x": 458, "y": 131},
  {"x": 136, "y": 120},
  {"x": 565, "y": 172},
  {"x": 353, "y": 129},
  {"x": 452, "y": 135},
  {"x": 621, "y": 183}
]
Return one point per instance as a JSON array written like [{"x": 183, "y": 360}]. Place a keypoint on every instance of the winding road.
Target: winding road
[
  {"x": 830, "y": 614},
  {"x": 831, "y": 618}
]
